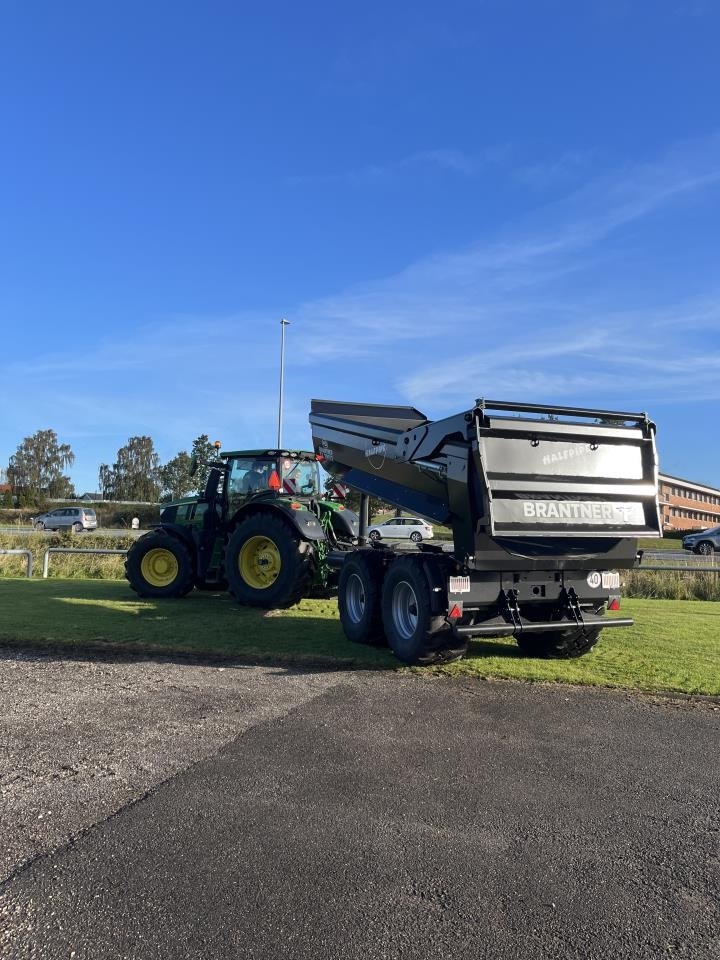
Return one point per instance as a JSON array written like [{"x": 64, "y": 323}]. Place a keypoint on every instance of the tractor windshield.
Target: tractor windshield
[{"x": 300, "y": 477}]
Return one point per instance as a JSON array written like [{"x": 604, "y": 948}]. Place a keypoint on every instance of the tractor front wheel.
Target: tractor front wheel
[
  {"x": 158, "y": 565},
  {"x": 267, "y": 564}
]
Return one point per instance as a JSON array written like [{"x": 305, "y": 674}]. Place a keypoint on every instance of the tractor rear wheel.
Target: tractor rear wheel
[
  {"x": 359, "y": 590},
  {"x": 158, "y": 565},
  {"x": 267, "y": 564}
]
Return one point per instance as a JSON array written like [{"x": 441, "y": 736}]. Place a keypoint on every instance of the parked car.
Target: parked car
[
  {"x": 704, "y": 541},
  {"x": 65, "y": 518},
  {"x": 401, "y": 528}
]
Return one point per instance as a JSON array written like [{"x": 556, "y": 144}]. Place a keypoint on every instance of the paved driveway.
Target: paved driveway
[{"x": 252, "y": 812}]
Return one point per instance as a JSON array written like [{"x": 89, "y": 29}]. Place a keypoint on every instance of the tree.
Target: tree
[
  {"x": 36, "y": 467},
  {"x": 135, "y": 475},
  {"x": 203, "y": 451},
  {"x": 175, "y": 479},
  {"x": 375, "y": 505}
]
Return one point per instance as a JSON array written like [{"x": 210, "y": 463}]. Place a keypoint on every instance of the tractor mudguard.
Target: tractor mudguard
[
  {"x": 177, "y": 530},
  {"x": 346, "y": 523},
  {"x": 302, "y": 520}
]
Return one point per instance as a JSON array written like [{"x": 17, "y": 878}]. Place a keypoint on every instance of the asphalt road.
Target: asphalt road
[
  {"x": 104, "y": 531},
  {"x": 162, "y": 810}
]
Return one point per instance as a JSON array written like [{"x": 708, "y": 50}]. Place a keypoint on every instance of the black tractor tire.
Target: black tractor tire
[
  {"x": 415, "y": 635},
  {"x": 159, "y": 566},
  {"x": 705, "y": 548},
  {"x": 267, "y": 563},
  {"x": 567, "y": 644},
  {"x": 359, "y": 592}
]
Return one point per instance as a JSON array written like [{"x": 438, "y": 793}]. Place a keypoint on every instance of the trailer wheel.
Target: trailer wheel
[
  {"x": 414, "y": 633},
  {"x": 359, "y": 590},
  {"x": 565, "y": 644},
  {"x": 267, "y": 564},
  {"x": 158, "y": 565}
]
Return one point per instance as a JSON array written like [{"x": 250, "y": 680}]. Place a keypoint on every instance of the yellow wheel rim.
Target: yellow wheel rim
[
  {"x": 159, "y": 567},
  {"x": 259, "y": 562}
]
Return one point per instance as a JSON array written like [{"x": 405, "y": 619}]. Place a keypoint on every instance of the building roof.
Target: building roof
[{"x": 668, "y": 478}]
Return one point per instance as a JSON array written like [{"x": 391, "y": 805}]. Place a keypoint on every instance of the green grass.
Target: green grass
[
  {"x": 662, "y": 543},
  {"x": 674, "y": 646}
]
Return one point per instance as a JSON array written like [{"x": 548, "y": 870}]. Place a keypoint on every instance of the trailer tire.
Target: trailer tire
[
  {"x": 565, "y": 644},
  {"x": 267, "y": 564},
  {"x": 359, "y": 592},
  {"x": 159, "y": 566},
  {"x": 415, "y": 635}
]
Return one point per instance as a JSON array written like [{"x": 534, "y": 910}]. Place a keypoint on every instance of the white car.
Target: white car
[{"x": 401, "y": 528}]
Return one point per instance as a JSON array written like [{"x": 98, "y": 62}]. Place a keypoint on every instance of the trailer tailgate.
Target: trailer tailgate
[{"x": 547, "y": 478}]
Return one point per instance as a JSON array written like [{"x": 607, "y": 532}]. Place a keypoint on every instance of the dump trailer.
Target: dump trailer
[{"x": 545, "y": 505}]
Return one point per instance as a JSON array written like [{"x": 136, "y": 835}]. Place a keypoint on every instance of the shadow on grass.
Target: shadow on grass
[
  {"x": 105, "y": 620},
  {"x": 67, "y": 619},
  {"x": 481, "y": 649}
]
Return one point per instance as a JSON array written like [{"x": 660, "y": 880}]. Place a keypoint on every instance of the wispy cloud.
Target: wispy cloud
[
  {"x": 564, "y": 305},
  {"x": 430, "y": 161},
  {"x": 539, "y": 309}
]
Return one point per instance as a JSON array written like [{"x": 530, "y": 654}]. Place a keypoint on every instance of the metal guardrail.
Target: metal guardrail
[
  {"x": 675, "y": 562},
  {"x": 28, "y": 556},
  {"x": 46, "y": 555}
]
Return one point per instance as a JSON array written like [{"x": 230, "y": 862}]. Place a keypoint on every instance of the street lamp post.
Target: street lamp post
[{"x": 283, "y": 323}]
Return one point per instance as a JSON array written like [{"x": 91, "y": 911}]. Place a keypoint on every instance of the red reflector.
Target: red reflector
[
  {"x": 274, "y": 481},
  {"x": 455, "y": 613},
  {"x": 296, "y": 506},
  {"x": 319, "y": 457},
  {"x": 614, "y": 603}
]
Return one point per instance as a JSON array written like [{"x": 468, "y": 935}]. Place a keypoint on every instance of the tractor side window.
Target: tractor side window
[{"x": 300, "y": 477}]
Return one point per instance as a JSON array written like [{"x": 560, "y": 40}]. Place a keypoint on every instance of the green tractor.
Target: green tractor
[{"x": 262, "y": 529}]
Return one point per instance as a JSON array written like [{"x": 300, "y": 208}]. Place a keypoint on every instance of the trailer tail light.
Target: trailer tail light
[{"x": 613, "y": 603}]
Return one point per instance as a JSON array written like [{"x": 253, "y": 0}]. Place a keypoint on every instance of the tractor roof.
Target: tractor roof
[{"x": 269, "y": 454}]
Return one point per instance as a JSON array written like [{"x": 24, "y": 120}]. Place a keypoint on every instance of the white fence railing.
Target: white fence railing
[
  {"x": 46, "y": 555},
  {"x": 28, "y": 558}
]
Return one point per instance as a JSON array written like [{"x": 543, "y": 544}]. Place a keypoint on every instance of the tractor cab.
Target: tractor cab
[{"x": 269, "y": 474}]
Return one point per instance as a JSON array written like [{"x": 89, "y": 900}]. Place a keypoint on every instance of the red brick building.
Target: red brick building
[{"x": 686, "y": 505}]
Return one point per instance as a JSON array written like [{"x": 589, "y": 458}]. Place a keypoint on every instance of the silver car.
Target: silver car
[
  {"x": 401, "y": 528},
  {"x": 704, "y": 541},
  {"x": 66, "y": 518}
]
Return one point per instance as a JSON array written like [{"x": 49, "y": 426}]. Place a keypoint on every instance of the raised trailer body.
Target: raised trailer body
[{"x": 545, "y": 504}]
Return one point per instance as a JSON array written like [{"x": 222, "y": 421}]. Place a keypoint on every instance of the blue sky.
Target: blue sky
[{"x": 517, "y": 200}]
